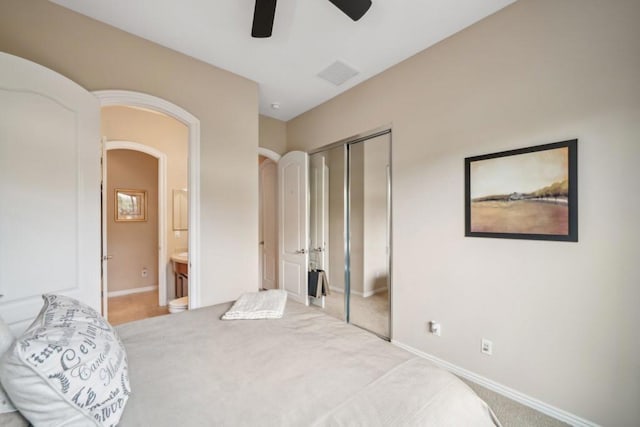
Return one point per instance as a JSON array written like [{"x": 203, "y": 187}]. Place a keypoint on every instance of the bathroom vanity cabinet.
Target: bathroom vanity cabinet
[{"x": 181, "y": 272}]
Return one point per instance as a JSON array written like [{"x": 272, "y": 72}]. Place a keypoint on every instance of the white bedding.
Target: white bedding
[
  {"x": 258, "y": 305},
  {"x": 193, "y": 369}
]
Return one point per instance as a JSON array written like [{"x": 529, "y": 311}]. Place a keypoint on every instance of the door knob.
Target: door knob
[
  {"x": 301, "y": 251},
  {"x": 107, "y": 257}
]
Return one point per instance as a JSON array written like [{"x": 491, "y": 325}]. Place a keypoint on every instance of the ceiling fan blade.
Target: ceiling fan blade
[
  {"x": 354, "y": 9},
  {"x": 263, "y": 15}
]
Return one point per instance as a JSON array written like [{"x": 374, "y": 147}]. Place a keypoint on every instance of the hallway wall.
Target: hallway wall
[{"x": 133, "y": 245}]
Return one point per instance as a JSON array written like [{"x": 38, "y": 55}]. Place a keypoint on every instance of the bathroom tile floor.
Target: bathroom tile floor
[{"x": 128, "y": 308}]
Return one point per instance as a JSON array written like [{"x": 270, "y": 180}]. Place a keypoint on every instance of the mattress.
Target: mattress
[{"x": 305, "y": 369}]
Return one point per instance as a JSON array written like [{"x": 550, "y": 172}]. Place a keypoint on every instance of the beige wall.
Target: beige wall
[
  {"x": 168, "y": 136},
  {"x": 536, "y": 72},
  {"x": 97, "y": 56},
  {"x": 133, "y": 245},
  {"x": 273, "y": 134}
]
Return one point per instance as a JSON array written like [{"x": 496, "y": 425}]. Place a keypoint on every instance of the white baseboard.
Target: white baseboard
[
  {"x": 131, "y": 291},
  {"x": 512, "y": 394}
]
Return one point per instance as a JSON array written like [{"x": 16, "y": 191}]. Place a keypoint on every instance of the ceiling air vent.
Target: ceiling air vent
[{"x": 337, "y": 73}]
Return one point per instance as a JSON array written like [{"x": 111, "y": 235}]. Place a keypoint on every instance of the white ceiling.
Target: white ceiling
[{"x": 308, "y": 36}]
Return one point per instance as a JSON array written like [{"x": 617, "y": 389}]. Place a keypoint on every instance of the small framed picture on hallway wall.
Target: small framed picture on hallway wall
[
  {"x": 131, "y": 205},
  {"x": 528, "y": 193}
]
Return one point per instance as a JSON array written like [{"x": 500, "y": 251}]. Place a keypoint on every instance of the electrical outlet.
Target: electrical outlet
[
  {"x": 487, "y": 347},
  {"x": 435, "y": 328},
  {"x": 145, "y": 272}
]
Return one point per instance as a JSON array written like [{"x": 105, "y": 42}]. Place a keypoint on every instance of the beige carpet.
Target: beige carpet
[{"x": 511, "y": 413}]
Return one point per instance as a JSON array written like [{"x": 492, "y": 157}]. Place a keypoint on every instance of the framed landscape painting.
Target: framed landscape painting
[
  {"x": 131, "y": 205},
  {"x": 529, "y": 193}
]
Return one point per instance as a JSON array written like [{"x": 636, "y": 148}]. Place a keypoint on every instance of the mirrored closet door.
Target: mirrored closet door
[
  {"x": 350, "y": 229},
  {"x": 327, "y": 181},
  {"x": 368, "y": 224}
]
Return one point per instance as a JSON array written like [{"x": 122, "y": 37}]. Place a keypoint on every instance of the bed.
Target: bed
[{"x": 304, "y": 369}]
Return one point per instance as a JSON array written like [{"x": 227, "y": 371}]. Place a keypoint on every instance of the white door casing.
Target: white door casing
[
  {"x": 49, "y": 188},
  {"x": 293, "y": 229},
  {"x": 268, "y": 222}
]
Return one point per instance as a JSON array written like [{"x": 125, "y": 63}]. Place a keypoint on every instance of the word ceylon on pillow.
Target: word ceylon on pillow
[{"x": 68, "y": 368}]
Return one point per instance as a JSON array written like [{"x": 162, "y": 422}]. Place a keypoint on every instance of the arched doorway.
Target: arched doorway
[{"x": 150, "y": 102}]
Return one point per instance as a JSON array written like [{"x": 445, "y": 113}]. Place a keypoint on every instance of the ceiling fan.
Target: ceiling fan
[{"x": 265, "y": 11}]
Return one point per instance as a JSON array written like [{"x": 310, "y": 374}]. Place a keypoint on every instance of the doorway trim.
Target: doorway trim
[
  {"x": 142, "y": 100},
  {"x": 269, "y": 154},
  {"x": 162, "y": 208}
]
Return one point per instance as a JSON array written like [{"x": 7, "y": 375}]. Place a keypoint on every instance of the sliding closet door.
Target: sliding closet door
[
  {"x": 327, "y": 182},
  {"x": 350, "y": 230},
  {"x": 369, "y": 234},
  {"x": 319, "y": 212}
]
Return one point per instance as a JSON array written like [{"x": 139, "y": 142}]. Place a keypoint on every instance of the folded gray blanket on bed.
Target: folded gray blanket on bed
[{"x": 193, "y": 369}]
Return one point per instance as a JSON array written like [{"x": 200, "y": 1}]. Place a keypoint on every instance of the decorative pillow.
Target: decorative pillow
[
  {"x": 6, "y": 339},
  {"x": 68, "y": 368}
]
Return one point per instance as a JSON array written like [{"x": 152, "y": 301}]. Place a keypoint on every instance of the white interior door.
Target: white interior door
[
  {"x": 293, "y": 229},
  {"x": 49, "y": 190},
  {"x": 268, "y": 222}
]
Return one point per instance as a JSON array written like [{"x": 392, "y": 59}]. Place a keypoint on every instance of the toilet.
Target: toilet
[{"x": 179, "y": 305}]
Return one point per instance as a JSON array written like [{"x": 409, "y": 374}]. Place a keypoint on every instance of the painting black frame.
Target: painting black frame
[{"x": 572, "y": 235}]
